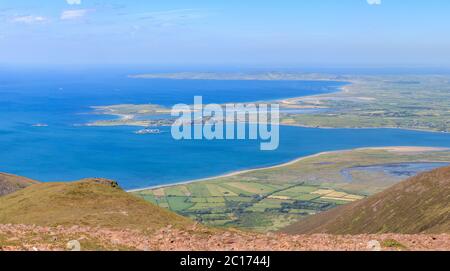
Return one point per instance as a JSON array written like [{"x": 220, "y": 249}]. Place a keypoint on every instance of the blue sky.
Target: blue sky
[{"x": 297, "y": 33}]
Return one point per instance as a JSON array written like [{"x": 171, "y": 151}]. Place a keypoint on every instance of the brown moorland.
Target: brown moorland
[{"x": 417, "y": 205}]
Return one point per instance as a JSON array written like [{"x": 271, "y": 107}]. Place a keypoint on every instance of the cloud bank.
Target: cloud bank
[
  {"x": 374, "y": 2},
  {"x": 73, "y": 14},
  {"x": 29, "y": 19},
  {"x": 73, "y": 2},
  {"x": 172, "y": 17}
]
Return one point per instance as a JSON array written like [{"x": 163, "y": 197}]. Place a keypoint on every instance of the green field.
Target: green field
[
  {"x": 269, "y": 199},
  {"x": 419, "y": 102}
]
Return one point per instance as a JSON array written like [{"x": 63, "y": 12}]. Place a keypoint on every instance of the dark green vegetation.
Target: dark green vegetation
[
  {"x": 246, "y": 204},
  {"x": 417, "y": 205},
  {"x": 272, "y": 198},
  {"x": 90, "y": 202},
  {"x": 10, "y": 183}
]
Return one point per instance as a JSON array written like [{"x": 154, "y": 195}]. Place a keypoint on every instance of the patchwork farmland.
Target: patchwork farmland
[
  {"x": 232, "y": 204},
  {"x": 271, "y": 198}
]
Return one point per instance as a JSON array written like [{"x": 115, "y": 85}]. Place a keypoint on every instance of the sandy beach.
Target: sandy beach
[{"x": 404, "y": 149}]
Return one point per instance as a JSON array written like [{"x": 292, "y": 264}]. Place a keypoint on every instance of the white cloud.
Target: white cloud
[
  {"x": 73, "y": 2},
  {"x": 73, "y": 14},
  {"x": 29, "y": 19},
  {"x": 172, "y": 17},
  {"x": 374, "y": 2}
]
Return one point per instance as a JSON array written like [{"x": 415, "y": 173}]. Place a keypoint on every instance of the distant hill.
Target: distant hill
[
  {"x": 10, "y": 183},
  {"x": 420, "y": 204},
  {"x": 89, "y": 202}
]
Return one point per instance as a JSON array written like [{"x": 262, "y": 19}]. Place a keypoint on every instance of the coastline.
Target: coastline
[
  {"x": 239, "y": 172},
  {"x": 346, "y": 88},
  {"x": 364, "y": 128},
  {"x": 234, "y": 173},
  {"x": 130, "y": 121}
]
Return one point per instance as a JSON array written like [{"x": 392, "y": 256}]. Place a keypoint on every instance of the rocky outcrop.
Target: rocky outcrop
[{"x": 11, "y": 183}]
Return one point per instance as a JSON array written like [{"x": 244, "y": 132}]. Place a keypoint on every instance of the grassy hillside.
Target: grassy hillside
[
  {"x": 90, "y": 202},
  {"x": 417, "y": 205},
  {"x": 272, "y": 198},
  {"x": 10, "y": 183}
]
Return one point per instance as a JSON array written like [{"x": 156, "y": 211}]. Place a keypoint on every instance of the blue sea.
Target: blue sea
[{"x": 65, "y": 151}]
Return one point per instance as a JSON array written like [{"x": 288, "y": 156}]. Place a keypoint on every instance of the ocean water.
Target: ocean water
[{"x": 64, "y": 151}]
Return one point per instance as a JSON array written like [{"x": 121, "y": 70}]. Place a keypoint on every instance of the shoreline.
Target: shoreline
[
  {"x": 131, "y": 117},
  {"x": 342, "y": 89},
  {"x": 364, "y": 128},
  {"x": 243, "y": 171}
]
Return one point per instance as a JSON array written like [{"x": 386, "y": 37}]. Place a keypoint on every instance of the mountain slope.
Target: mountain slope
[
  {"x": 98, "y": 215},
  {"x": 420, "y": 204},
  {"x": 90, "y": 202},
  {"x": 10, "y": 183}
]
